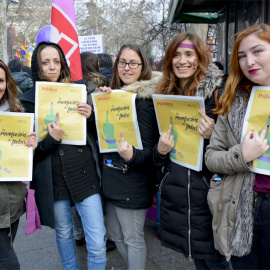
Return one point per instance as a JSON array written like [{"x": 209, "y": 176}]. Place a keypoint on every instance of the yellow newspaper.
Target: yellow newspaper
[
  {"x": 115, "y": 113},
  {"x": 257, "y": 116},
  {"x": 63, "y": 98},
  {"x": 182, "y": 113},
  {"x": 16, "y": 159}
]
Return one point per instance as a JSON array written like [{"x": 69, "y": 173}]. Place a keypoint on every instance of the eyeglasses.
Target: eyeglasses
[{"x": 132, "y": 65}]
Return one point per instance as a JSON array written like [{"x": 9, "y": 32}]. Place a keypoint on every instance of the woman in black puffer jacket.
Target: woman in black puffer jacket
[{"x": 185, "y": 218}]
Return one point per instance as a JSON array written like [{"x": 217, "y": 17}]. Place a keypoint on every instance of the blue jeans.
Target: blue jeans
[
  {"x": 259, "y": 257},
  {"x": 90, "y": 210},
  {"x": 212, "y": 264}
]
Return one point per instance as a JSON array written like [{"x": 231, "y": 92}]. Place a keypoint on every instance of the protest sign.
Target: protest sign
[
  {"x": 93, "y": 43},
  {"x": 115, "y": 113},
  {"x": 63, "y": 98},
  {"x": 182, "y": 113},
  {"x": 16, "y": 159},
  {"x": 257, "y": 116}
]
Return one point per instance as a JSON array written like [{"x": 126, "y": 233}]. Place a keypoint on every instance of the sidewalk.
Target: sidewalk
[{"x": 39, "y": 252}]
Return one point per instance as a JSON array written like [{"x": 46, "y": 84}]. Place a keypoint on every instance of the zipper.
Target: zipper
[
  {"x": 117, "y": 166},
  {"x": 162, "y": 182},
  {"x": 189, "y": 226}
]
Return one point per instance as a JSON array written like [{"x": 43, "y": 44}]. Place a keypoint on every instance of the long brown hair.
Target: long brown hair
[
  {"x": 90, "y": 68},
  {"x": 146, "y": 73},
  {"x": 169, "y": 83},
  {"x": 237, "y": 79},
  {"x": 11, "y": 92},
  {"x": 65, "y": 75}
]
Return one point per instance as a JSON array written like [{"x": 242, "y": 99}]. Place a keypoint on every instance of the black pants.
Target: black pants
[
  {"x": 259, "y": 257},
  {"x": 8, "y": 257}
]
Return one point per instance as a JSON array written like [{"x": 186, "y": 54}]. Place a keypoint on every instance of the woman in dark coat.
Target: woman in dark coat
[
  {"x": 185, "y": 224},
  {"x": 128, "y": 186},
  {"x": 65, "y": 175}
]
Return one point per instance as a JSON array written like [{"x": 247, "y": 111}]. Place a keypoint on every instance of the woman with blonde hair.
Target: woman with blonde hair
[
  {"x": 240, "y": 202},
  {"x": 185, "y": 218}
]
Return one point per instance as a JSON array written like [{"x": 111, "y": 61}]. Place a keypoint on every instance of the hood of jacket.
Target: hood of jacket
[
  {"x": 29, "y": 96},
  {"x": 23, "y": 80},
  {"x": 212, "y": 82},
  {"x": 34, "y": 61},
  {"x": 144, "y": 89}
]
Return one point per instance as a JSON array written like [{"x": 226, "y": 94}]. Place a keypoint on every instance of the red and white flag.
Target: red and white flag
[{"x": 64, "y": 33}]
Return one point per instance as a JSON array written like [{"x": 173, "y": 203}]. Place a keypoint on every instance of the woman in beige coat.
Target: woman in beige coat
[{"x": 239, "y": 199}]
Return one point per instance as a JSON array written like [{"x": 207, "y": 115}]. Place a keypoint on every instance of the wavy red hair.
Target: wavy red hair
[
  {"x": 236, "y": 79},
  {"x": 169, "y": 83}
]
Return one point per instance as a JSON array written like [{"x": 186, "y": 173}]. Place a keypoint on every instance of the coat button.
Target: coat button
[
  {"x": 65, "y": 174},
  {"x": 61, "y": 152},
  {"x": 94, "y": 187},
  {"x": 60, "y": 195},
  {"x": 127, "y": 199},
  {"x": 80, "y": 150},
  {"x": 236, "y": 156},
  {"x": 83, "y": 171}
]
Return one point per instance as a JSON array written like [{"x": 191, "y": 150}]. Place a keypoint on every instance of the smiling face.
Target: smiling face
[
  {"x": 254, "y": 59},
  {"x": 126, "y": 74},
  {"x": 184, "y": 63},
  {"x": 3, "y": 82},
  {"x": 50, "y": 63}
]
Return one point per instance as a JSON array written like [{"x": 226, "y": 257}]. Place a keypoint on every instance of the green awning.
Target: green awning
[{"x": 185, "y": 17}]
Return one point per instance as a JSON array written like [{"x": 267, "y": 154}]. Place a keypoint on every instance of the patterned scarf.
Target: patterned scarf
[{"x": 241, "y": 238}]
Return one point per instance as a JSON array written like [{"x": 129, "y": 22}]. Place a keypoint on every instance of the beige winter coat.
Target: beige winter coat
[{"x": 224, "y": 156}]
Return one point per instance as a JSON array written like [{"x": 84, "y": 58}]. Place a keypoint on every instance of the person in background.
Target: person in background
[
  {"x": 112, "y": 57},
  {"x": 91, "y": 73},
  {"x": 106, "y": 65},
  {"x": 21, "y": 77},
  {"x": 129, "y": 184},
  {"x": 240, "y": 201},
  {"x": 66, "y": 175},
  {"x": 185, "y": 218},
  {"x": 12, "y": 194}
]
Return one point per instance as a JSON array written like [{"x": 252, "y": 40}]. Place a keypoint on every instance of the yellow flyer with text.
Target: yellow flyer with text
[
  {"x": 182, "y": 113},
  {"x": 115, "y": 113},
  {"x": 16, "y": 159},
  {"x": 257, "y": 116},
  {"x": 63, "y": 98}
]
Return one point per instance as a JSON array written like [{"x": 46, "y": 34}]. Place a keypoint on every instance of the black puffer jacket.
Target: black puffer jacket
[
  {"x": 185, "y": 216},
  {"x": 131, "y": 184}
]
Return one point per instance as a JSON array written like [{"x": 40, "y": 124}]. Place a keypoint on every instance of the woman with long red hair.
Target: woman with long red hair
[
  {"x": 185, "y": 218},
  {"x": 240, "y": 203}
]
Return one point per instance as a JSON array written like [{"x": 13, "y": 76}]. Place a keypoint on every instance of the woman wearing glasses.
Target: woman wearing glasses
[{"x": 129, "y": 186}]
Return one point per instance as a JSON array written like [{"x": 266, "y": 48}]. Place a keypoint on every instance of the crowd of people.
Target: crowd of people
[{"x": 210, "y": 222}]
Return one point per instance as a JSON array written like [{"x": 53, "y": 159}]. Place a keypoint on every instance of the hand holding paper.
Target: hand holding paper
[
  {"x": 254, "y": 145},
  {"x": 55, "y": 130},
  {"x": 84, "y": 109},
  {"x": 206, "y": 125},
  {"x": 166, "y": 142},
  {"x": 105, "y": 89},
  {"x": 32, "y": 141},
  {"x": 125, "y": 150}
]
